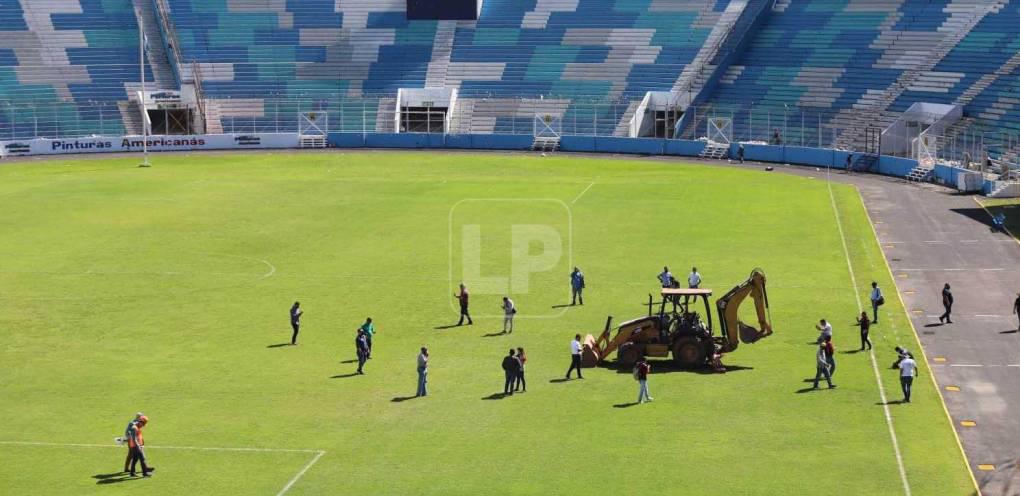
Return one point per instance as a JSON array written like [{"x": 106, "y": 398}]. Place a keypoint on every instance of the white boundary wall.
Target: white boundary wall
[{"x": 107, "y": 144}]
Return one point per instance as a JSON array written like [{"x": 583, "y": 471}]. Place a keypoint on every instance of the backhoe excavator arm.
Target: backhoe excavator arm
[{"x": 733, "y": 330}]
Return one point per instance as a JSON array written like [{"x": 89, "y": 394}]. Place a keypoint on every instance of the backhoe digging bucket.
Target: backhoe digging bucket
[{"x": 749, "y": 335}]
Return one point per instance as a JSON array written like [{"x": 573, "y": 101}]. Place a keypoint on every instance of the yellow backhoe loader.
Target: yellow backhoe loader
[{"x": 679, "y": 329}]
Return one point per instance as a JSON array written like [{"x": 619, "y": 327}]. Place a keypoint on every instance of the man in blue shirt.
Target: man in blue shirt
[{"x": 576, "y": 286}]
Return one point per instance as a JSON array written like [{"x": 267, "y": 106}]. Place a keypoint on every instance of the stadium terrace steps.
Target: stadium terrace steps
[
  {"x": 442, "y": 48},
  {"x": 162, "y": 73}
]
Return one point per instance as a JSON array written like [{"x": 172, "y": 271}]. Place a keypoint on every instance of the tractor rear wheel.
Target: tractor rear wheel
[
  {"x": 689, "y": 352},
  {"x": 628, "y": 354}
]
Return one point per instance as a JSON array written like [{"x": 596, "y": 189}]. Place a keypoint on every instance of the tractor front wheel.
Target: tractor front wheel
[{"x": 689, "y": 352}]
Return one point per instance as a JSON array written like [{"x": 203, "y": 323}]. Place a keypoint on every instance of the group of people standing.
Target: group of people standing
[{"x": 513, "y": 368}]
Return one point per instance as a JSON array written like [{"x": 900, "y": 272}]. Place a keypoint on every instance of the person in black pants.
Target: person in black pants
[
  {"x": 521, "y": 357},
  {"x": 1016, "y": 310},
  {"x": 361, "y": 346},
  {"x": 295, "y": 320},
  {"x": 947, "y": 303},
  {"x": 865, "y": 327},
  {"x": 463, "y": 297},
  {"x": 511, "y": 368},
  {"x": 575, "y": 356}
]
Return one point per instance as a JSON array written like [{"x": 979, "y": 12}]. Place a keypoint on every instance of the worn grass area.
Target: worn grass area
[{"x": 165, "y": 290}]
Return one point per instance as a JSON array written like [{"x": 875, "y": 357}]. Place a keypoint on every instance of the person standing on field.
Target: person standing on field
[
  {"x": 877, "y": 300},
  {"x": 369, "y": 329},
  {"x": 575, "y": 356},
  {"x": 947, "y": 303},
  {"x": 511, "y": 367},
  {"x": 423, "y": 372},
  {"x": 361, "y": 347},
  {"x": 521, "y": 383},
  {"x": 908, "y": 370},
  {"x": 136, "y": 443},
  {"x": 576, "y": 286},
  {"x": 830, "y": 355},
  {"x": 641, "y": 370},
  {"x": 865, "y": 328},
  {"x": 127, "y": 430},
  {"x": 822, "y": 367},
  {"x": 509, "y": 310},
  {"x": 462, "y": 298},
  {"x": 825, "y": 330},
  {"x": 666, "y": 278},
  {"x": 295, "y": 320}
]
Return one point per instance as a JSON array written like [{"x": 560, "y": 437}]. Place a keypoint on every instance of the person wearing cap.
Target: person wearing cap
[
  {"x": 136, "y": 443},
  {"x": 462, "y": 298},
  {"x": 423, "y": 371},
  {"x": 127, "y": 460}
]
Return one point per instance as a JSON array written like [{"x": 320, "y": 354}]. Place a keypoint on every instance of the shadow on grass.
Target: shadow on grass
[
  {"x": 890, "y": 402},
  {"x": 344, "y": 376},
  {"x": 444, "y": 327},
  {"x": 626, "y": 405},
  {"x": 113, "y": 478},
  {"x": 281, "y": 345},
  {"x": 493, "y": 334},
  {"x": 812, "y": 388},
  {"x": 353, "y": 360},
  {"x": 668, "y": 367},
  {"x": 401, "y": 399},
  {"x": 496, "y": 396},
  {"x": 851, "y": 352},
  {"x": 562, "y": 306},
  {"x": 559, "y": 380}
]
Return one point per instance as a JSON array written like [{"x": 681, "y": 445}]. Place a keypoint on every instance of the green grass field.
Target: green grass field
[{"x": 165, "y": 289}]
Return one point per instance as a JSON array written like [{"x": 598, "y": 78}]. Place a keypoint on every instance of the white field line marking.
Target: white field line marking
[
  {"x": 965, "y": 365},
  {"x": 874, "y": 363},
  {"x": 300, "y": 474},
  {"x": 1014, "y": 365},
  {"x": 582, "y": 193},
  {"x": 272, "y": 269}
]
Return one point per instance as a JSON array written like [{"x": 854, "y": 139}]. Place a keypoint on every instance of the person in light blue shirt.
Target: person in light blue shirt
[
  {"x": 877, "y": 300},
  {"x": 576, "y": 286}
]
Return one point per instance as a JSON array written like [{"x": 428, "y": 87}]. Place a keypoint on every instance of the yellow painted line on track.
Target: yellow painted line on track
[
  {"x": 986, "y": 468},
  {"x": 952, "y": 388},
  {"x": 968, "y": 423}
]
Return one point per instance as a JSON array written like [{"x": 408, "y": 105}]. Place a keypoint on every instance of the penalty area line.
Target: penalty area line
[
  {"x": 874, "y": 363},
  {"x": 300, "y": 474},
  {"x": 578, "y": 197}
]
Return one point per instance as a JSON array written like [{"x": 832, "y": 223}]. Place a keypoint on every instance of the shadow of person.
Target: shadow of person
[
  {"x": 401, "y": 399},
  {"x": 280, "y": 345},
  {"x": 562, "y": 306},
  {"x": 493, "y": 334},
  {"x": 890, "y": 402},
  {"x": 113, "y": 478},
  {"x": 1014, "y": 331},
  {"x": 496, "y": 396},
  {"x": 558, "y": 380},
  {"x": 442, "y": 327},
  {"x": 809, "y": 389},
  {"x": 626, "y": 405},
  {"x": 344, "y": 376},
  {"x": 353, "y": 360},
  {"x": 934, "y": 325}
]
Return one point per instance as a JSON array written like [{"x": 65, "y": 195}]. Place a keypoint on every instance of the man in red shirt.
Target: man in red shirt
[
  {"x": 136, "y": 442},
  {"x": 462, "y": 297},
  {"x": 641, "y": 371}
]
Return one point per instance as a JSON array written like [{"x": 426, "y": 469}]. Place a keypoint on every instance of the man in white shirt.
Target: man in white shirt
[
  {"x": 826, "y": 330},
  {"x": 694, "y": 280},
  {"x": 575, "y": 356},
  {"x": 908, "y": 370},
  {"x": 509, "y": 310},
  {"x": 877, "y": 300},
  {"x": 666, "y": 278}
]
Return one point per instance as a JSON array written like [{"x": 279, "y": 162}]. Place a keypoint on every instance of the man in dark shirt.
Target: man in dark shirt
[
  {"x": 947, "y": 303},
  {"x": 1016, "y": 310},
  {"x": 361, "y": 346},
  {"x": 830, "y": 355},
  {"x": 295, "y": 320},
  {"x": 511, "y": 368},
  {"x": 462, "y": 297}
]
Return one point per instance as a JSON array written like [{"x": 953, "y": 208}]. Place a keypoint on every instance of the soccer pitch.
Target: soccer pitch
[{"x": 166, "y": 290}]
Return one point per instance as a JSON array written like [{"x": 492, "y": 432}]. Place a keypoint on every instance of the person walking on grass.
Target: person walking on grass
[
  {"x": 575, "y": 356},
  {"x": 877, "y": 300},
  {"x": 830, "y": 355},
  {"x": 462, "y": 298},
  {"x": 908, "y": 371},
  {"x": 824, "y": 329},
  {"x": 136, "y": 443},
  {"x": 127, "y": 430},
  {"x": 369, "y": 329},
  {"x": 947, "y": 303},
  {"x": 641, "y": 370},
  {"x": 509, "y": 310},
  {"x": 361, "y": 347},
  {"x": 295, "y": 321},
  {"x": 511, "y": 367},
  {"x": 865, "y": 328},
  {"x": 576, "y": 286},
  {"x": 822, "y": 368},
  {"x": 423, "y": 372},
  {"x": 521, "y": 384},
  {"x": 1016, "y": 310}
]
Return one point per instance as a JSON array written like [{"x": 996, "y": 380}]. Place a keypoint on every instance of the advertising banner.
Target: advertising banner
[{"x": 103, "y": 144}]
